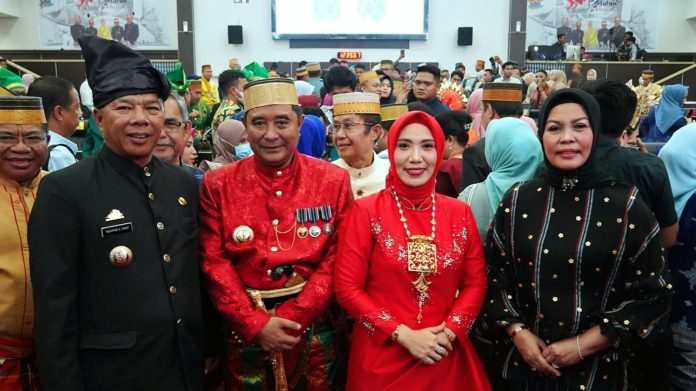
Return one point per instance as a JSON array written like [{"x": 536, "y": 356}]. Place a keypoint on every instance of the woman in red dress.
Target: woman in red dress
[{"x": 410, "y": 271}]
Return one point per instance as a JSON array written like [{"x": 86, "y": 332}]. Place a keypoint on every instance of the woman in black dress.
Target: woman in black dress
[{"x": 577, "y": 278}]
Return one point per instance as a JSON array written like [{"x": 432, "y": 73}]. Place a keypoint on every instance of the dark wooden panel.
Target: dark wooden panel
[
  {"x": 73, "y": 71},
  {"x": 40, "y": 68}
]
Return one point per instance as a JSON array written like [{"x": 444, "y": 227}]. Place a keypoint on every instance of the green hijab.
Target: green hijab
[{"x": 513, "y": 152}]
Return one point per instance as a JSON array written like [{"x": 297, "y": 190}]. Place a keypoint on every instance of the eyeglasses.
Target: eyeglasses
[
  {"x": 30, "y": 140},
  {"x": 348, "y": 126},
  {"x": 172, "y": 126}
]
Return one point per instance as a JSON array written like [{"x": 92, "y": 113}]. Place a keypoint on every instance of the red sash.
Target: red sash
[{"x": 16, "y": 348}]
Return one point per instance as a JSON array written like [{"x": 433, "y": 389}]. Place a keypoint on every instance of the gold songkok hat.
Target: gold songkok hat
[
  {"x": 356, "y": 103},
  {"x": 313, "y": 67},
  {"x": 301, "y": 72},
  {"x": 21, "y": 110},
  {"x": 393, "y": 111},
  {"x": 648, "y": 73},
  {"x": 365, "y": 76},
  {"x": 502, "y": 92},
  {"x": 267, "y": 92}
]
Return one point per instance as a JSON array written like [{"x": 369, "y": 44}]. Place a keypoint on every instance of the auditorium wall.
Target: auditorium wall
[{"x": 211, "y": 18}]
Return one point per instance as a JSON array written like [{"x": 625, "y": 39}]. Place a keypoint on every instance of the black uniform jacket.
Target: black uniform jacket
[{"x": 104, "y": 321}]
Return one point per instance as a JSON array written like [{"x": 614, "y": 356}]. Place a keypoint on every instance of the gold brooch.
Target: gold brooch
[
  {"x": 242, "y": 235},
  {"x": 120, "y": 256}
]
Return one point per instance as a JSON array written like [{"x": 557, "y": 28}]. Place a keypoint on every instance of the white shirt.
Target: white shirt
[
  {"x": 512, "y": 79},
  {"x": 368, "y": 180},
  {"x": 86, "y": 95},
  {"x": 60, "y": 157},
  {"x": 303, "y": 88}
]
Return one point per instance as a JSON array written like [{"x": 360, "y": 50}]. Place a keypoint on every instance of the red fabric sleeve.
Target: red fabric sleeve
[
  {"x": 472, "y": 283},
  {"x": 352, "y": 266},
  {"x": 317, "y": 294},
  {"x": 224, "y": 285}
]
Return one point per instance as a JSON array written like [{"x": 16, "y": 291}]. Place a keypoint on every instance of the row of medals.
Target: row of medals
[
  {"x": 243, "y": 235},
  {"x": 304, "y": 215}
]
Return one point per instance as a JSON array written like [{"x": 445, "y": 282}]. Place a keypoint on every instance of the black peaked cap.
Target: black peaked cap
[{"x": 114, "y": 70}]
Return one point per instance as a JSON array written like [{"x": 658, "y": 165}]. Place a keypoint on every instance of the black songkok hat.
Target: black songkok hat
[{"x": 114, "y": 70}]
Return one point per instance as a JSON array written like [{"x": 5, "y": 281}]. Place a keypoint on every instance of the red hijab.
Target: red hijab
[{"x": 420, "y": 193}]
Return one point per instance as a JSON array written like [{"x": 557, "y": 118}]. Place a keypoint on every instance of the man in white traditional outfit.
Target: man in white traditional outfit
[{"x": 357, "y": 127}]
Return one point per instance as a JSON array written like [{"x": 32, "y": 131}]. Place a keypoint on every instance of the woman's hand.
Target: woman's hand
[
  {"x": 423, "y": 344},
  {"x": 563, "y": 353},
  {"x": 531, "y": 347}
]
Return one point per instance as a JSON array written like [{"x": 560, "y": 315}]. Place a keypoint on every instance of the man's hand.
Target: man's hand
[{"x": 273, "y": 338}]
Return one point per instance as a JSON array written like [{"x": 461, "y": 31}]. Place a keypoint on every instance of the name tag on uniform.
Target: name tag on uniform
[{"x": 116, "y": 229}]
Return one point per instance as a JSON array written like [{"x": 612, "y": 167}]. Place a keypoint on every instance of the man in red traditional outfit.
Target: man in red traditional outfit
[{"x": 268, "y": 242}]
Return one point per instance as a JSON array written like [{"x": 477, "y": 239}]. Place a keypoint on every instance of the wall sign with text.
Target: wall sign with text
[{"x": 349, "y": 55}]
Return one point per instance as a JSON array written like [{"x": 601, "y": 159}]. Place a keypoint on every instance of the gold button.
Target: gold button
[
  {"x": 279, "y": 173},
  {"x": 160, "y": 225},
  {"x": 360, "y": 192},
  {"x": 279, "y": 193},
  {"x": 274, "y": 249},
  {"x": 151, "y": 196},
  {"x": 182, "y": 201},
  {"x": 172, "y": 289},
  {"x": 167, "y": 258}
]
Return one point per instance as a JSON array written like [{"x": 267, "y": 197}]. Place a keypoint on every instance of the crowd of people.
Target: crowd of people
[{"x": 349, "y": 228}]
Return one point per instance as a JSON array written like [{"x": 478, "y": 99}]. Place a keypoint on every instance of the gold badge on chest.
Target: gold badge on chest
[
  {"x": 120, "y": 256},
  {"x": 243, "y": 235}
]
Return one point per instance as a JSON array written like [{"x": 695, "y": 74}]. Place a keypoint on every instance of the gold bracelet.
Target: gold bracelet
[
  {"x": 450, "y": 335},
  {"x": 517, "y": 330},
  {"x": 577, "y": 344},
  {"x": 395, "y": 333}
]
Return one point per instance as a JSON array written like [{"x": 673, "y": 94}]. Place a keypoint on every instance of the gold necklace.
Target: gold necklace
[
  {"x": 413, "y": 207},
  {"x": 422, "y": 255},
  {"x": 277, "y": 233}
]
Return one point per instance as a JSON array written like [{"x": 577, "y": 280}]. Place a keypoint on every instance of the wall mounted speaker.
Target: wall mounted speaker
[
  {"x": 465, "y": 36},
  {"x": 234, "y": 34}
]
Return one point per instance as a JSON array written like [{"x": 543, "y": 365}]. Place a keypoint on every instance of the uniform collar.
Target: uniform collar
[
  {"x": 277, "y": 172},
  {"x": 124, "y": 165}
]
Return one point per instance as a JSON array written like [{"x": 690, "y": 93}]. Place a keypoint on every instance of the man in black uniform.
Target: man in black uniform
[{"x": 114, "y": 259}]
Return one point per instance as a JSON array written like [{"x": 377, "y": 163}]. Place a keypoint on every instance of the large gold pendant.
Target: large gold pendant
[
  {"x": 422, "y": 254},
  {"x": 422, "y": 259}
]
